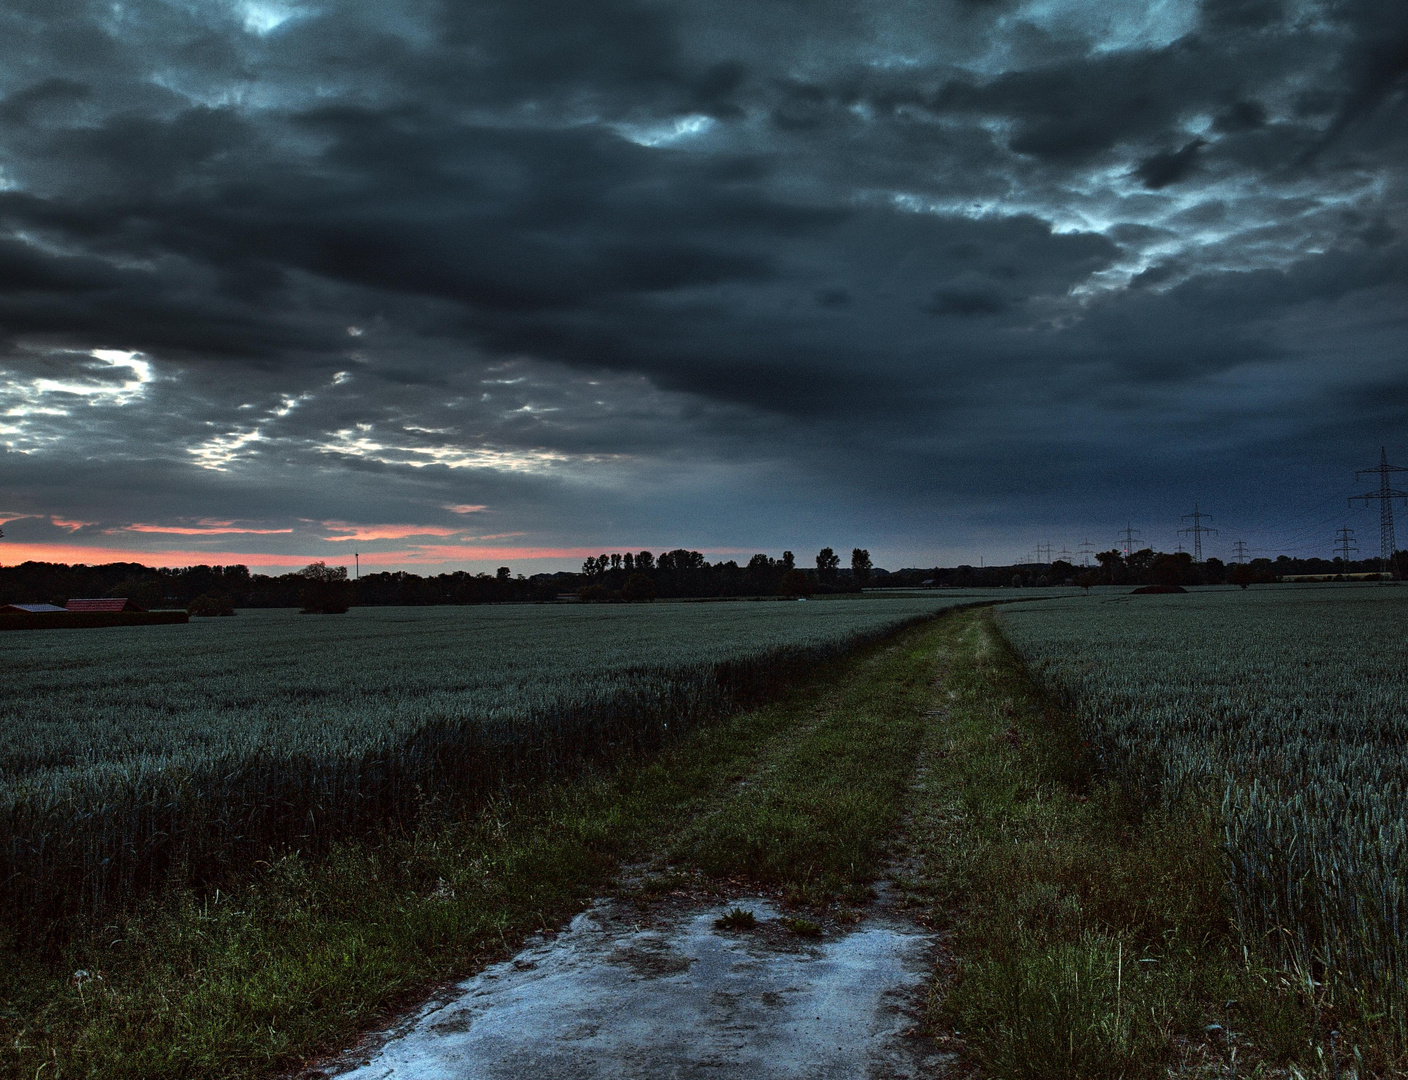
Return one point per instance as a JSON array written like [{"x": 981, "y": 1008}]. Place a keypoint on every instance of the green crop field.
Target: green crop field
[
  {"x": 1288, "y": 708},
  {"x": 138, "y": 758}
]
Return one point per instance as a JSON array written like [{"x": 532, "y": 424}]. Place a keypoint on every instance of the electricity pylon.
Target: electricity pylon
[
  {"x": 1385, "y": 496},
  {"x": 1240, "y": 551},
  {"x": 1196, "y": 530},
  {"x": 1344, "y": 540},
  {"x": 1130, "y": 537}
]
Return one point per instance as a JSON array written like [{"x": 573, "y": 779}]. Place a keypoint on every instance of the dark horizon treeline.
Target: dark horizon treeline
[
  {"x": 624, "y": 576},
  {"x": 674, "y": 574}
]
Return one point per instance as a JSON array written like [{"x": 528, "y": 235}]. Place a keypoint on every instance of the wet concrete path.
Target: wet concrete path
[{"x": 659, "y": 991}]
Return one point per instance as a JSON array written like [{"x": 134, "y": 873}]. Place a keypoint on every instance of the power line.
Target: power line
[
  {"x": 1384, "y": 496},
  {"x": 1197, "y": 529}
]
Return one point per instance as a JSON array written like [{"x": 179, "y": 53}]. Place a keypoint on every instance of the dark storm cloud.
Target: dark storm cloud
[{"x": 523, "y": 251}]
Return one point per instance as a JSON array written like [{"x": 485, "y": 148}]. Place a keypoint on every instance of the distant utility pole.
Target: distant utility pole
[
  {"x": 1385, "y": 496},
  {"x": 1239, "y": 552},
  {"x": 1043, "y": 552},
  {"x": 1130, "y": 537},
  {"x": 1064, "y": 555},
  {"x": 1086, "y": 550},
  {"x": 1344, "y": 540},
  {"x": 357, "y": 562},
  {"x": 1196, "y": 530}
]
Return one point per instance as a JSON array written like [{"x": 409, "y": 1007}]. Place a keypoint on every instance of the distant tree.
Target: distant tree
[
  {"x": 628, "y": 563},
  {"x": 1400, "y": 565},
  {"x": 795, "y": 583},
  {"x": 1141, "y": 564},
  {"x": 788, "y": 561},
  {"x": 1112, "y": 563},
  {"x": 1241, "y": 574},
  {"x": 206, "y": 606},
  {"x": 1087, "y": 579},
  {"x": 326, "y": 590},
  {"x": 645, "y": 562},
  {"x": 1172, "y": 569},
  {"x": 593, "y": 594},
  {"x": 638, "y": 588},
  {"x": 1061, "y": 572},
  {"x": 148, "y": 593},
  {"x": 860, "y": 567},
  {"x": 827, "y": 562},
  {"x": 503, "y": 574}
]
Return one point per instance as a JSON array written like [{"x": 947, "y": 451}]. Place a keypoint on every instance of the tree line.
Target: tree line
[
  {"x": 620, "y": 576},
  {"x": 217, "y": 590}
]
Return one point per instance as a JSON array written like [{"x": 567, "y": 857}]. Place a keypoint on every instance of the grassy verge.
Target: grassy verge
[
  {"x": 1089, "y": 931},
  {"x": 801, "y": 793}
]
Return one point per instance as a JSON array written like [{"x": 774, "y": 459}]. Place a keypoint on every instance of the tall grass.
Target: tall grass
[
  {"x": 132, "y": 761},
  {"x": 1287, "y": 709}
]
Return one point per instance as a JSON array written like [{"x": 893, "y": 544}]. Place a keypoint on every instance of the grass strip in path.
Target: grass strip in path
[
  {"x": 1089, "y": 931},
  {"x": 816, "y": 817},
  {"x": 801, "y": 793}
]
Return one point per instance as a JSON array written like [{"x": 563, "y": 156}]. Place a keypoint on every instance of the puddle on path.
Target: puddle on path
[{"x": 627, "y": 993}]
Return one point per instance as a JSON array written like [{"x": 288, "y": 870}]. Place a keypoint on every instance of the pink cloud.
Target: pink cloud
[
  {"x": 435, "y": 553},
  {"x": 78, "y": 553},
  {"x": 465, "y": 508},
  {"x": 205, "y": 528},
  {"x": 383, "y": 532}
]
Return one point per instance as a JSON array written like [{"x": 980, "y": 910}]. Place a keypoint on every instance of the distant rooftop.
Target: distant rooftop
[
  {"x": 104, "y": 603},
  {"x": 30, "y": 609}
]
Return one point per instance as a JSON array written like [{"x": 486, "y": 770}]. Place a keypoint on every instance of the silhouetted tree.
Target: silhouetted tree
[
  {"x": 861, "y": 567},
  {"x": 1112, "y": 563},
  {"x": 1175, "y": 569},
  {"x": 795, "y": 583},
  {"x": 326, "y": 590},
  {"x": 827, "y": 562},
  {"x": 638, "y": 588}
]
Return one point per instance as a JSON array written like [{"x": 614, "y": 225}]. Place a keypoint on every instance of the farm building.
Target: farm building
[
  {"x": 27, "y": 609},
  {"x": 89, "y": 614},
  {"x": 104, "y": 603}
]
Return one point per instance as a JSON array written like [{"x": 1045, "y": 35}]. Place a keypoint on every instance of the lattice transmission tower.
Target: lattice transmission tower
[
  {"x": 1239, "y": 551},
  {"x": 1196, "y": 530},
  {"x": 1384, "y": 496},
  {"x": 1129, "y": 537},
  {"x": 1344, "y": 540}
]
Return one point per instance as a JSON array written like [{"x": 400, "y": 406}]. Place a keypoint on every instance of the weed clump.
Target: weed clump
[{"x": 736, "y": 919}]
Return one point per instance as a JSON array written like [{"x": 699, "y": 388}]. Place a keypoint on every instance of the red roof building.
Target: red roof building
[{"x": 104, "y": 603}]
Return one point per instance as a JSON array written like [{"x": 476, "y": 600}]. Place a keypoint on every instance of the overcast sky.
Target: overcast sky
[{"x": 456, "y": 284}]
